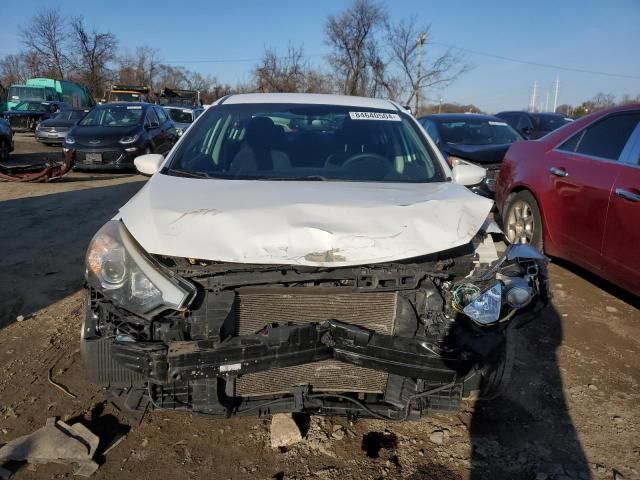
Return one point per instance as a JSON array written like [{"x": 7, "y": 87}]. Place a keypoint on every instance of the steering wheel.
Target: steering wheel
[{"x": 366, "y": 157}]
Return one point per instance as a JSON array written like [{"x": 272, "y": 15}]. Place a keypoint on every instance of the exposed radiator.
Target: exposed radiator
[{"x": 257, "y": 307}]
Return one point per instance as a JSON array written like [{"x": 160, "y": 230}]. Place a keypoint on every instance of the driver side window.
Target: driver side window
[{"x": 152, "y": 118}]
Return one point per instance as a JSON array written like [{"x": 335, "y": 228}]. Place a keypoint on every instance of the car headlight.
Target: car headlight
[
  {"x": 118, "y": 267},
  {"x": 69, "y": 139},
  {"x": 129, "y": 139},
  {"x": 485, "y": 308},
  {"x": 179, "y": 131},
  {"x": 508, "y": 285}
]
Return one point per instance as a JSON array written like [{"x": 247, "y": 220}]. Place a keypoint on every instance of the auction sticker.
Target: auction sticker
[
  {"x": 393, "y": 117},
  {"x": 503, "y": 124}
]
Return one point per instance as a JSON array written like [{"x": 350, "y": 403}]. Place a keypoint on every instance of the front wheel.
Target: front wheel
[
  {"x": 500, "y": 364},
  {"x": 4, "y": 150},
  {"x": 522, "y": 221}
]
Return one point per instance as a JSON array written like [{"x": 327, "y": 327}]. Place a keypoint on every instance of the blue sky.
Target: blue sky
[{"x": 588, "y": 34}]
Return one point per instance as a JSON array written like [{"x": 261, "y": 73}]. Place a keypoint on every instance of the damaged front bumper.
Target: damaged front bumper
[{"x": 388, "y": 341}]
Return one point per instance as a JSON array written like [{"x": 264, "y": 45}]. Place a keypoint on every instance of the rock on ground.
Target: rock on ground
[{"x": 284, "y": 431}]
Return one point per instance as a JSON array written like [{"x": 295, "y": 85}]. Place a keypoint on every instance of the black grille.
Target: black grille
[
  {"x": 107, "y": 157},
  {"x": 54, "y": 129},
  {"x": 19, "y": 122},
  {"x": 257, "y": 307}
]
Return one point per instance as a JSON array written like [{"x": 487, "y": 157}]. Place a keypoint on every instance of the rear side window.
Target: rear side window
[
  {"x": 524, "y": 123},
  {"x": 152, "y": 117},
  {"x": 431, "y": 129},
  {"x": 603, "y": 139}
]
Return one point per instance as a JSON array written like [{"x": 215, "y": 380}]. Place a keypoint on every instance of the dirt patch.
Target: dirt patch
[{"x": 572, "y": 411}]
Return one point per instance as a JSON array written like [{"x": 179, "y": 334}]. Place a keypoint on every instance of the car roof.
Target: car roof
[
  {"x": 514, "y": 111},
  {"x": 459, "y": 117},
  {"x": 124, "y": 104},
  {"x": 310, "y": 98},
  {"x": 181, "y": 107},
  {"x": 547, "y": 114}
]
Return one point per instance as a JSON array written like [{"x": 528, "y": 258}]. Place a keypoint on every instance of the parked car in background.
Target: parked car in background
[
  {"x": 576, "y": 194},
  {"x": 534, "y": 125},
  {"x": 6, "y": 139},
  {"x": 54, "y": 130},
  {"x": 26, "y": 116},
  {"x": 338, "y": 267},
  {"x": 478, "y": 139},
  {"x": 110, "y": 136},
  {"x": 182, "y": 117}
]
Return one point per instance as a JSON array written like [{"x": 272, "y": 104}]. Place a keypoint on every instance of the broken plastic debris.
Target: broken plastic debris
[{"x": 56, "y": 442}]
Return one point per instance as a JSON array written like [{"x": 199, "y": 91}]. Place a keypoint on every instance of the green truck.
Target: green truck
[{"x": 48, "y": 89}]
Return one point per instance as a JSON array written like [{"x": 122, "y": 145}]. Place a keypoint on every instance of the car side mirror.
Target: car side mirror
[
  {"x": 148, "y": 164},
  {"x": 468, "y": 174}
]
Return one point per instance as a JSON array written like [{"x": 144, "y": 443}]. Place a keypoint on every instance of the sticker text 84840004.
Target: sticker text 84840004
[{"x": 393, "y": 117}]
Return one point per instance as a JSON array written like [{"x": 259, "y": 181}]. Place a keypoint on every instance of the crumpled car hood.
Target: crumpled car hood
[{"x": 316, "y": 223}]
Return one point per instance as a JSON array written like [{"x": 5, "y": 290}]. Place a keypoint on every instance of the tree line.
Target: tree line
[
  {"x": 600, "y": 101},
  {"x": 368, "y": 55}
]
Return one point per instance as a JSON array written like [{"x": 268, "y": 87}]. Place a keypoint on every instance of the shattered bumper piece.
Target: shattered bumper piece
[{"x": 56, "y": 442}]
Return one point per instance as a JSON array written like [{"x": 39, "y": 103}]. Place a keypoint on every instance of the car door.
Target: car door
[
  {"x": 621, "y": 245},
  {"x": 581, "y": 174},
  {"x": 167, "y": 128},
  {"x": 152, "y": 124},
  {"x": 524, "y": 125}
]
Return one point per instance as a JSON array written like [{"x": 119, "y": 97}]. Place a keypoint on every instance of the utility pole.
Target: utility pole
[
  {"x": 440, "y": 105},
  {"x": 534, "y": 94},
  {"x": 546, "y": 102},
  {"x": 422, "y": 38},
  {"x": 555, "y": 98}
]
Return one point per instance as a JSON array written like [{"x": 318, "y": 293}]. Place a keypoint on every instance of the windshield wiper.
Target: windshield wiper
[
  {"x": 185, "y": 173},
  {"x": 312, "y": 178}
]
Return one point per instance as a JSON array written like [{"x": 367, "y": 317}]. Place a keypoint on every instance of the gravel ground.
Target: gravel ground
[{"x": 572, "y": 411}]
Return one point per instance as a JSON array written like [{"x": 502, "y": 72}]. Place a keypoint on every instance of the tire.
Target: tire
[
  {"x": 4, "y": 150},
  {"x": 522, "y": 222},
  {"x": 499, "y": 369}
]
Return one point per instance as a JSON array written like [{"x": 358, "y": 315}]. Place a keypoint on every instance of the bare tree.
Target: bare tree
[
  {"x": 139, "y": 68},
  {"x": 288, "y": 73},
  {"x": 46, "y": 35},
  {"x": 403, "y": 40},
  {"x": 13, "y": 69},
  {"x": 601, "y": 100},
  {"x": 355, "y": 51},
  {"x": 280, "y": 74},
  {"x": 93, "y": 53},
  {"x": 627, "y": 99},
  {"x": 169, "y": 76}
]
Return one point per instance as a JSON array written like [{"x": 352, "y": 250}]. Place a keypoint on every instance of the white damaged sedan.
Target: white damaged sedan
[{"x": 304, "y": 253}]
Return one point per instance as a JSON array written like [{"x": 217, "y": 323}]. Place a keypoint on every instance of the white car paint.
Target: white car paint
[
  {"x": 314, "y": 223},
  {"x": 311, "y": 99}
]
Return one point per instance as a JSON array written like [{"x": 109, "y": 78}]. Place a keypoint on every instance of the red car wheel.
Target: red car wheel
[{"x": 522, "y": 221}]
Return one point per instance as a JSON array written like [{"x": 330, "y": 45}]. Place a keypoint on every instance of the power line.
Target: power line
[
  {"x": 538, "y": 64},
  {"x": 238, "y": 60}
]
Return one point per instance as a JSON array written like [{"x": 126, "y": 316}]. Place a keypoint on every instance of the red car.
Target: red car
[{"x": 575, "y": 193}]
